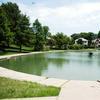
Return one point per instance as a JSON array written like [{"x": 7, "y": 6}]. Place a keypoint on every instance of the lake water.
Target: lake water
[{"x": 70, "y": 65}]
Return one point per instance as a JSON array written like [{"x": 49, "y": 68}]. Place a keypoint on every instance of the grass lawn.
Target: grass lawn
[
  {"x": 7, "y": 53},
  {"x": 10, "y": 88},
  {"x": 13, "y": 49}
]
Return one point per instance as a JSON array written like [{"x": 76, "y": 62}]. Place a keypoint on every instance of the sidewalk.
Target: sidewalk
[{"x": 80, "y": 90}]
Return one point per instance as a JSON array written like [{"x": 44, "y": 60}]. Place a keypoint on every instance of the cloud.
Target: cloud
[{"x": 66, "y": 18}]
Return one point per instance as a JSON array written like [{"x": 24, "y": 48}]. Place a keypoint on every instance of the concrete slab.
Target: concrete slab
[
  {"x": 80, "y": 90},
  {"x": 20, "y": 76},
  {"x": 36, "y": 98},
  {"x": 53, "y": 82}
]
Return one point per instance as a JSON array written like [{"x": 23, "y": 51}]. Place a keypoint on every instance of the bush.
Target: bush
[
  {"x": 46, "y": 48},
  {"x": 76, "y": 47}
]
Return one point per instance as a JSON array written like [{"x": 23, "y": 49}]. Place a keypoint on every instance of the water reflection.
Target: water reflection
[
  {"x": 68, "y": 65},
  {"x": 58, "y": 62},
  {"x": 32, "y": 64}
]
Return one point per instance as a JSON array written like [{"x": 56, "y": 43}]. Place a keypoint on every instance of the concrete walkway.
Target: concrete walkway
[
  {"x": 80, "y": 90},
  {"x": 70, "y": 90}
]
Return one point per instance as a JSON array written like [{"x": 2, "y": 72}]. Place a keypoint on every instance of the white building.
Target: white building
[{"x": 84, "y": 41}]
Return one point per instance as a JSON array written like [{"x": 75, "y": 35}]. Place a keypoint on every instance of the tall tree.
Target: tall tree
[
  {"x": 13, "y": 14},
  {"x": 4, "y": 29},
  {"x": 45, "y": 31},
  {"x": 22, "y": 33},
  {"x": 39, "y": 36},
  {"x": 19, "y": 24}
]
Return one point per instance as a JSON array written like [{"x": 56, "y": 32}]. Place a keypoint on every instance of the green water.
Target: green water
[{"x": 69, "y": 65}]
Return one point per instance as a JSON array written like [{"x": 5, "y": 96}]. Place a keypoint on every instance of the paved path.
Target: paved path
[{"x": 80, "y": 90}]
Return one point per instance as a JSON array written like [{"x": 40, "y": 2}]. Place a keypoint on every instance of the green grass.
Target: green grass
[
  {"x": 10, "y": 88},
  {"x": 13, "y": 49},
  {"x": 7, "y": 53}
]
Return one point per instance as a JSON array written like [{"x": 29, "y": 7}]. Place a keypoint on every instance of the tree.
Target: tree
[
  {"x": 4, "y": 29},
  {"x": 22, "y": 31},
  {"x": 45, "y": 31},
  {"x": 84, "y": 35},
  {"x": 66, "y": 42},
  {"x": 61, "y": 40},
  {"x": 90, "y": 38},
  {"x": 13, "y": 14},
  {"x": 51, "y": 42},
  {"x": 39, "y": 36},
  {"x": 75, "y": 36},
  {"x": 98, "y": 34},
  {"x": 18, "y": 24}
]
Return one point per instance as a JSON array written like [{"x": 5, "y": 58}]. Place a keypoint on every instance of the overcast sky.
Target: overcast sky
[{"x": 67, "y": 16}]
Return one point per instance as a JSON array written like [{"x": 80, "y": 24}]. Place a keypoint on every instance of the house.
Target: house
[
  {"x": 96, "y": 42},
  {"x": 81, "y": 41}
]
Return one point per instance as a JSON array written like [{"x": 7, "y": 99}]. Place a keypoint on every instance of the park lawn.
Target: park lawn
[
  {"x": 7, "y": 53},
  {"x": 10, "y": 88},
  {"x": 15, "y": 49}
]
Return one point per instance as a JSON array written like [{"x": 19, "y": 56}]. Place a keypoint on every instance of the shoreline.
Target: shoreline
[
  {"x": 9, "y": 73},
  {"x": 24, "y": 54},
  {"x": 38, "y": 52},
  {"x": 4, "y": 72}
]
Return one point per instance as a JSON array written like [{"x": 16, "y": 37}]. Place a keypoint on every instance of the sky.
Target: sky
[{"x": 67, "y": 16}]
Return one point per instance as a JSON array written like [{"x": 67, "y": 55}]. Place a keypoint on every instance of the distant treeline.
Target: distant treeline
[{"x": 15, "y": 30}]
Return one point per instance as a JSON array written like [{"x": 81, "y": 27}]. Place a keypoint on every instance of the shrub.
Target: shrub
[{"x": 76, "y": 47}]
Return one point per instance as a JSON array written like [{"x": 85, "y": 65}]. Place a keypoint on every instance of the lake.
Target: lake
[{"x": 70, "y": 65}]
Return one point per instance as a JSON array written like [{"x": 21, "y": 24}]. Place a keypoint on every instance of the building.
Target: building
[
  {"x": 81, "y": 41},
  {"x": 96, "y": 42}
]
